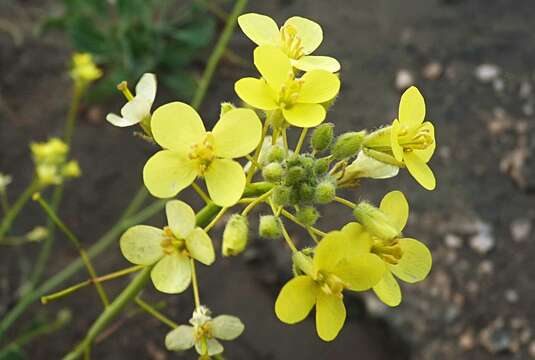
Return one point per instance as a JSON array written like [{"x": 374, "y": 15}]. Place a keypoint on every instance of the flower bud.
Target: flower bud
[
  {"x": 269, "y": 227},
  {"x": 226, "y": 107},
  {"x": 295, "y": 175},
  {"x": 273, "y": 172},
  {"x": 321, "y": 166},
  {"x": 307, "y": 215},
  {"x": 325, "y": 192},
  {"x": 306, "y": 193},
  {"x": 375, "y": 221},
  {"x": 282, "y": 195},
  {"x": 303, "y": 263},
  {"x": 367, "y": 167},
  {"x": 72, "y": 169},
  {"x": 348, "y": 144},
  {"x": 275, "y": 154},
  {"x": 236, "y": 235},
  {"x": 322, "y": 137}
]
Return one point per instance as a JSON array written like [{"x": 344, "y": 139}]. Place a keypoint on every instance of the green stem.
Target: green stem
[
  {"x": 345, "y": 202},
  {"x": 8, "y": 219},
  {"x": 195, "y": 283},
  {"x": 301, "y": 140},
  {"x": 158, "y": 315}
]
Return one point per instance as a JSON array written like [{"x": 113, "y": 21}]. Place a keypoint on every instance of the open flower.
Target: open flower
[
  {"x": 297, "y": 38},
  {"x": 204, "y": 333},
  {"x": 169, "y": 249},
  {"x": 137, "y": 109},
  {"x": 191, "y": 151},
  {"x": 408, "y": 259},
  {"x": 337, "y": 265},
  {"x": 299, "y": 99}
]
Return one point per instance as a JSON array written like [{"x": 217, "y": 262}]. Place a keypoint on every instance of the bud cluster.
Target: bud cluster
[{"x": 51, "y": 164}]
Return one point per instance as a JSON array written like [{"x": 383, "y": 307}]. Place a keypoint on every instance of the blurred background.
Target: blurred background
[{"x": 473, "y": 60}]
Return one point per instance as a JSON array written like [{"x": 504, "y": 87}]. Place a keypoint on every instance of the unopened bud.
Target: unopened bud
[
  {"x": 273, "y": 172},
  {"x": 295, "y": 175},
  {"x": 72, "y": 169},
  {"x": 275, "y": 154},
  {"x": 226, "y": 107},
  {"x": 307, "y": 215},
  {"x": 236, "y": 235},
  {"x": 282, "y": 195},
  {"x": 348, "y": 145},
  {"x": 375, "y": 221},
  {"x": 306, "y": 193},
  {"x": 322, "y": 137},
  {"x": 325, "y": 192},
  {"x": 270, "y": 227},
  {"x": 321, "y": 166},
  {"x": 303, "y": 263}
]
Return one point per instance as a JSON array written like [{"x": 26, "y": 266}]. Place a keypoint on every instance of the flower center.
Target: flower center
[
  {"x": 289, "y": 91},
  {"x": 415, "y": 139},
  {"x": 389, "y": 251},
  {"x": 203, "y": 331},
  {"x": 170, "y": 244},
  {"x": 330, "y": 284},
  {"x": 291, "y": 43},
  {"x": 203, "y": 152}
]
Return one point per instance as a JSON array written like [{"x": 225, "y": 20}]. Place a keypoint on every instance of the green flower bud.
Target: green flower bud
[
  {"x": 307, "y": 215},
  {"x": 226, "y": 107},
  {"x": 236, "y": 235},
  {"x": 325, "y": 192},
  {"x": 270, "y": 227},
  {"x": 72, "y": 169},
  {"x": 275, "y": 154},
  {"x": 273, "y": 172},
  {"x": 302, "y": 263},
  {"x": 375, "y": 221},
  {"x": 348, "y": 145},
  {"x": 306, "y": 193},
  {"x": 295, "y": 175},
  {"x": 281, "y": 195},
  {"x": 322, "y": 137},
  {"x": 321, "y": 166}
]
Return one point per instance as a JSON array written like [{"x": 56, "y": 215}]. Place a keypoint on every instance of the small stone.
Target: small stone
[
  {"x": 511, "y": 295},
  {"x": 528, "y": 109},
  {"x": 404, "y": 79},
  {"x": 498, "y": 85},
  {"x": 432, "y": 71},
  {"x": 487, "y": 72},
  {"x": 486, "y": 267},
  {"x": 525, "y": 89},
  {"x": 453, "y": 241},
  {"x": 483, "y": 241},
  {"x": 531, "y": 349},
  {"x": 496, "y": 339},
  {"x": 520, "y": 229},
  {"x": 525, "y": 336},
  {"x": 466, "y": 340}
]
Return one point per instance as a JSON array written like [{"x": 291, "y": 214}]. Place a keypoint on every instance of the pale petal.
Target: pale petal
[
  {"x": 360, "y": 272},
  {"x": 273, "y": 65},
  {"x": 387, "y": 290},
  {"x": 397, "y": 150},
  {"x": 396, "y": 207},
  {"x": 167, "y": 172},
  {"x": 261, "y": 29},
  {"x": 213, "y": 347},
  {"x": 200, "y": 246},
  {"x": 132, "y": 113},
  {"x": 308, "y": 63},
  {"x": 330, "y": 315},
  {"x": 415, "y": 263},
  {"x": 141, "y": 244},
  {"x": 296, "y": 299},
  {"x": 172, "y": 274},
  {"x": 318, "y": 86},
  {"x": 309, "y": 31},
  {"x": 366, "y": 166},
  {"x": 227, "y": 327},
  {"x": 420, "y": 170},
  {"x": 305, "y": 115},
  {"x": 180, "y": 218},
  {"x": 180, "y": 339},
  {"x": 237, "y": 133},
  {"x": 411, "y": 108},
  {"x": 177, "y": 126},
  {"x": 256, "y": 93},
  {"x": 146, "y": 87},
  {"x": 225, "y": 181},
  {"x": 118, "y": 121}
]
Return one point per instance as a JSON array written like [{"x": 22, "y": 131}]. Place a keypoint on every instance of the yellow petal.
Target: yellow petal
[
  {"x": 360, "y": 239},
  {"x": 318, "y": 86},
  {"x": 166, "y": 173},
  {"x": 141, "y": 244},
  {"x": 273, "y": 65},
  {"x": 172, "y": 274},
  {"x": 396, "y": 207},
  {"x": 177, "y": 126},
  {"x": 296, "y": 299},
  {"x": 200, "y": 246},
  {"x": 427, "y": 153},
  {"x": 308, "y": 63},
  {"x": 309, "y": 31},
  {"x": 415, "y": 262},
  {"x": 420, "y": 170},
  {"x": 261, "y": 29},
  {"x": 180, "y": 218},
  {"x": 237, "y": 133},
  {"x": 256, "y": 93},
  {"x": 411, "y": 107},
  {"x": 330, "y": 315},
  {"x": 304, "y": 115},
  {"x": 387, "y": 290},
  {"x": 360, "y": 272},
  {"x": 397, "y": 150},
  {"x": 225, "y": 180},
  {"x": 330, "y": 251}
]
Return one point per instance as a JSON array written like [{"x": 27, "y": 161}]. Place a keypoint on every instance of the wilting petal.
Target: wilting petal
[
  {"x": 261, "y": 29},
  {"x": 415, "y": 263},
  {"x": 309, "y": 31},
  {"x": 273, "y": 65},
  {"x": 172, "y": 274},
  {"x": 141, "y": 244},
  {"x": 200, "y": 246},
  {"x": 237, "y": 133},
  {"x": 167, "y": 172},
  {"x": 330, "y": 315},
  {"x": 395, "y": 205},
  {"x": 387, "y": 289},
  {"x": 411, "y": 108},
  {"x": 308, "y": 63},
  {"x": 318, "y": 86},
  {"x": 305, "y": 115},
  {"x": 420, "y": 170},
  {"x": 146, "y": 87},
  {"x": 296, "y": 299},
  {"x": 180, "y": 218},
  {"x": 257, "y": 93},
  {"x": 225, "y": 181}
]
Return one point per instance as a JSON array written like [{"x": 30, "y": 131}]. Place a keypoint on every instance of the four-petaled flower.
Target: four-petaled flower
[
  {"x": 338, "y": 264},
  {"x": 191, "y": 151},
  {"x": 299, "y": 99},
  {"x": 169, "y": 249},
  {"x": 297, "y": 38}
]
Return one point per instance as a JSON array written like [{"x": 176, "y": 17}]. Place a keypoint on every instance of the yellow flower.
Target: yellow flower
[
  {"x": 84, "y": 69},
  {"x": 191, "y": 151},
  {"x": 338, "y": 264},
  {"x": 298, "y": 99},
  {"x": 169, "y": 249},
  {"x": 297, "y": 38},
  {"x": 408, "y": 259}
]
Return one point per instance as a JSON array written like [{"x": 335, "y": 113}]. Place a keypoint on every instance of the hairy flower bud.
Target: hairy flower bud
[
  {"x": 348, "y": 145},
  {"x": 307, "y": 215},
  {"x": 295, "y": 175},
  {"x": 236, "y": 235},
  {"x": 321, "y": 166},
  {"x": 282, "y": 195},
  {"x": 226, "y": 107},
  {"x": 303, "y": 263},
  {"x": 275, "y": 154},
  {"x": 375, "y": 221},
  {"x": 306, "y": 193},
  {"x": 322, "y": 137},
  {"x": 269, "y": 227},
  {"x": 325, "y": 192},
  {"x": 273, "y": 172}
]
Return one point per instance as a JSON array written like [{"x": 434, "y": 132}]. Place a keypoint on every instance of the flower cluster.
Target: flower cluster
[
  {"x": 84, "y": 70},
  {"x": 51, "y": 164}
]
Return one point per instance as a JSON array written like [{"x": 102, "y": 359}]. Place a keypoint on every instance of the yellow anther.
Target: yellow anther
[
  {"x": 203, "y": 152},
  {"x": 291, "y": 43}
]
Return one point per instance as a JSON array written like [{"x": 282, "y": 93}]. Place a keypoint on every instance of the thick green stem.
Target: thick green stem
[{"x": 8, "y": 219}]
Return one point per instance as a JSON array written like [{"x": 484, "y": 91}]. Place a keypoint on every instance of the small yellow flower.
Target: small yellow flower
[
  {"x": 170, "y": 249},
  {"x": 51, "y": 165},
  {"x": 299, "y": 99},
  {"x": 83, "y": 69},
  {"x": 408, "y": 259},
  {"x": 297, "y": 38},
  {"x": 338, "y": 264},
  {"x": 191, "y": 151}
]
